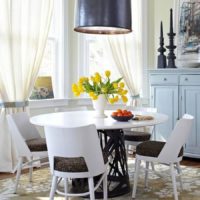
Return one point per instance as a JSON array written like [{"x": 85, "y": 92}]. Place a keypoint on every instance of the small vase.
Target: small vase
[{"x": 99, "y": 106}]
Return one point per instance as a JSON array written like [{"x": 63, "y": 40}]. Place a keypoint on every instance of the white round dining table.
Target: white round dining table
[
  {"x": 80, "y": 118},
  {"x": 112, "y": 140}
]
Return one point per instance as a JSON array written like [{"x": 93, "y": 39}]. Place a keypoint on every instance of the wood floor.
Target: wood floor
[
  {"x": 190, "y": 162},
  {"x": 8, "y": 175}
]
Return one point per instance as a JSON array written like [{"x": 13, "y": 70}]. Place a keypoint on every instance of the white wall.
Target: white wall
[{"x": 158, "y": 10}]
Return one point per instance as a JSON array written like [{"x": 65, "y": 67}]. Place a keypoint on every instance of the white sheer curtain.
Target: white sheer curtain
[
  {"x": 24, "y": 27},
  {"x": 126, "y": 51}
]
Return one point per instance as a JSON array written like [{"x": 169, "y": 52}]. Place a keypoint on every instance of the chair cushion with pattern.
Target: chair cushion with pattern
[
  {"x": 136, "y": 136},
  {"x": 77, "y": 164},
  {"x": 152, "y": 149},
  {"x": 37, "y": 144}
]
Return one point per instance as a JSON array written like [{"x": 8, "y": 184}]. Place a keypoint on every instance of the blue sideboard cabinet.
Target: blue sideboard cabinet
[{"x": 175, "y": 92}]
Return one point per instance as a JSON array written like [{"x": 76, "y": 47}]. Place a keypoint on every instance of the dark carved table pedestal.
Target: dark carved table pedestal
[{"x": 112, "y": 142}]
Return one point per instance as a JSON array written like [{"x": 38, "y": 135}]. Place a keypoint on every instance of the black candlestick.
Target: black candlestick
[
  {"x": 161, "y": 58},
  {"x": 171, "y": 56},
  {"x": 171, "y": 21}
]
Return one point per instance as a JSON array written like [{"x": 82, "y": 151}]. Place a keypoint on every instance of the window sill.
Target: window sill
[
  {"x": 47, "y": 103},
  {"x": 50, "y": 103}
]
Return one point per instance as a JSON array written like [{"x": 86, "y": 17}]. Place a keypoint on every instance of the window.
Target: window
[
  {"x": 96, "y": 54},
  {"x": 94, "y": 57},
  {"x": 99, "y": 58},
  {"x": 43, "y": 88}
]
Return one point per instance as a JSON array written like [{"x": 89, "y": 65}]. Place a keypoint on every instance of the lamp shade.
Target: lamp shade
[{"x": 103, "y": 16}]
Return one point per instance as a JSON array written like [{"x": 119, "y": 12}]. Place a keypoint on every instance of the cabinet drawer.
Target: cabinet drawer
[
  {"x": 190, "y": 80},
  {"x": 164, "y": 79}
]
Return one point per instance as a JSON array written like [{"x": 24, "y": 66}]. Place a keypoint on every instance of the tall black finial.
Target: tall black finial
[
  {"x": 171, "y": 56},
  {"x": 161, "y": 58}
]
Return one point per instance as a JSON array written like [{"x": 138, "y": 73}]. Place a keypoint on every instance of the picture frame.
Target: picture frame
[
  {"x": 187, "y": 26},
  {"x": 43, "y": 88}
]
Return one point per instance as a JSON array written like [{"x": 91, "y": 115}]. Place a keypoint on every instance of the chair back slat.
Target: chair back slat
[
  {"x": 76, "y": 142},
  {"x": 177, "y": 139}
]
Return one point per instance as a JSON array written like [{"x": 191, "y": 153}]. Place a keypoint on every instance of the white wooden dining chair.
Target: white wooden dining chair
[
  {"x": 76, "y": 153},
  {"x": 30, "y": 146},
  {"x": 133, "y": 137},
  {"x": 169, "y": 153}
]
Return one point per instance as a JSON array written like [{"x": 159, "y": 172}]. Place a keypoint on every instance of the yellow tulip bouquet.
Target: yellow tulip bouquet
[{"x": 97, "y": 84}]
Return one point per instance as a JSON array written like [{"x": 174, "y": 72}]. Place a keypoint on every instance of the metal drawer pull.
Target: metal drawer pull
[
  {"x": 165, "y": 79},
  {"x": 186, "y": 79}
]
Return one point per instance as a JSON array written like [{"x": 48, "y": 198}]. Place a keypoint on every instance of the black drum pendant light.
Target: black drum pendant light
[{"x": 103, "y": 16}]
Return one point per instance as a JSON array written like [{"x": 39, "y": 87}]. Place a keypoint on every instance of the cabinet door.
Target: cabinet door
[
  {"x": 165, "y": 99},
  {"x": 190, "y": 103}
]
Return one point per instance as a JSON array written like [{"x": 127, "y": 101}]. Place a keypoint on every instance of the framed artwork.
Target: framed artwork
[
  {"x": 42, "y": 88},
  {"x": 187, "y": 24}
]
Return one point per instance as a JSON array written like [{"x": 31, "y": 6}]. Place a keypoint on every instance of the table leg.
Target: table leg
[{"x": 112, "y": 142}]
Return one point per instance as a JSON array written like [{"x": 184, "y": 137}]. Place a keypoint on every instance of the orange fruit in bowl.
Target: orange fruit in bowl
[
  {"x": 130, "y": 113},
  {"x": 114, "y": 113},
  {"x": 119, "y": 110},
  {"x": 125, "y": 112},
  {"x": 120, "y": 114}
]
